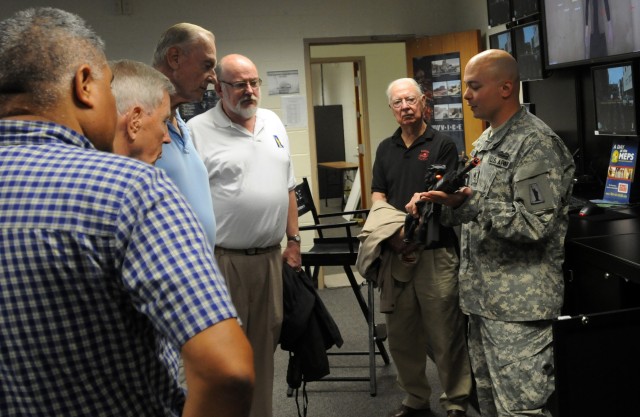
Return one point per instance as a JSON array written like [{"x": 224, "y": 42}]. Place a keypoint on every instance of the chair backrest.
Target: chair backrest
[{"x": 304, "y": 198}]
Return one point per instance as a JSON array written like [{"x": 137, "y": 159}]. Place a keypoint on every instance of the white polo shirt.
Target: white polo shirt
[{"x": 250, "y": 175}]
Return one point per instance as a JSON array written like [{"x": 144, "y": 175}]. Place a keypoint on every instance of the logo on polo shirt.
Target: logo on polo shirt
[{"x": 424, "y": 155}]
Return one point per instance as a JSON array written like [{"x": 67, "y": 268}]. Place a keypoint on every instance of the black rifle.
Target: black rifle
[{"x": 425, "y": 229}]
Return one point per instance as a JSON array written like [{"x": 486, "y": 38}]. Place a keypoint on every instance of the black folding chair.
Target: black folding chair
[{"x": 342, "y": 251}]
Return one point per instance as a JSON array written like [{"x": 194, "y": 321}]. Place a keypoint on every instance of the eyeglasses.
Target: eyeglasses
[
  {"x": 396, "y": 104},
  {"x": 243, "y": 85}
]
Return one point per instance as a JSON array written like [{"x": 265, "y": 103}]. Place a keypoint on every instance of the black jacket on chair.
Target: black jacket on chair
[{"x": 308, "y": 329}]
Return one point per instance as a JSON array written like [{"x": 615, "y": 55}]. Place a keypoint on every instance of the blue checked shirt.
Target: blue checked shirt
[{"x": 104, "y": 274}]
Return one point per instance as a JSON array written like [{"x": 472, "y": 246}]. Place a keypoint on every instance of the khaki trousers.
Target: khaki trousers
[
  {"x": 255, "y": 285},
  {"x": 427, "y": 320}
]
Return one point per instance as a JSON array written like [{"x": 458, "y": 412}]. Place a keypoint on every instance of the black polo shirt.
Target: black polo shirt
[{"x": 399, "y": 172}]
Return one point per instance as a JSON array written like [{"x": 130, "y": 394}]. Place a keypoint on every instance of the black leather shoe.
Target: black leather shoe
[
  {"x": 456, "y": 413},
  {"x": 405, "y": 411}
]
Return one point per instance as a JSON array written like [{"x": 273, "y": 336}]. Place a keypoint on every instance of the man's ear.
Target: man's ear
[
  {"x": 173, "y": 57},
  {"x": 83, "y": 84},
  {"x": 506, "y": 88},
  {"x": 134, "y": 122}
]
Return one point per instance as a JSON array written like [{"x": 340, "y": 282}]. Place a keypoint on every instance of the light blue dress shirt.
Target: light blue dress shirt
[{"x": 181, "y": 162}]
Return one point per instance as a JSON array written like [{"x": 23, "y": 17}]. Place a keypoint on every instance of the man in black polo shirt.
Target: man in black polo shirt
[{"x": 426, "y": 317}]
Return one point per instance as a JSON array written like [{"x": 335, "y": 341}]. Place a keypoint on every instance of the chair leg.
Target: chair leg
[
  {"x": 368, "y": 312},
  {"x": 314, "y": 275},
  {"x": 372, "y": 343}
]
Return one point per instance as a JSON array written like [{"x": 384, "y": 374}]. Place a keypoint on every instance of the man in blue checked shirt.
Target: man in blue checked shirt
[{"x": 106, "y": 276}]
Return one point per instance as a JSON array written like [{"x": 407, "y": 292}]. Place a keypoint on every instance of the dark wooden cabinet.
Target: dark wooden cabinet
[
  {"x": 595, "y": 341},
  {"x": 329, "y": 148},
  {"x": 602, "y": 263},
  {"x": 594, "y": 288}
]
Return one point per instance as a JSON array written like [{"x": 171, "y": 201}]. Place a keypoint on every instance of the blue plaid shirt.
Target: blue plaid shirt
[{"x": 104, "y": 274}]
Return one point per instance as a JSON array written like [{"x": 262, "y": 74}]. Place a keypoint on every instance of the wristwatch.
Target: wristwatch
[{"x": 294, "y": 238}]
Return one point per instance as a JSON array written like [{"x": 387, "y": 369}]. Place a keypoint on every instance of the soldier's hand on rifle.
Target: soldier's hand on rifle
[{"x": 439, "y": 197}]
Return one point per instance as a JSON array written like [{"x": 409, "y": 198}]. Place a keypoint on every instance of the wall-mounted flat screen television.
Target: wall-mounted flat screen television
[
  {"x": 499, "y": 12},
  {"x": 528, "y": 51},
  {"x": 614, "y": 96},
  {"x": 590, "y": 31},
  {"x": 501, "y": 40},
  {"x": 524, "y": 8}
]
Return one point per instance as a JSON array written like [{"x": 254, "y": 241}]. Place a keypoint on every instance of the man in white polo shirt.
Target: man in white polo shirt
[{"x": 246, "y": 152}]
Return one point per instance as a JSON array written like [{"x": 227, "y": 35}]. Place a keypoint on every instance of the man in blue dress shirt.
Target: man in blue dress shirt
[{"x": 186, "y": 54}]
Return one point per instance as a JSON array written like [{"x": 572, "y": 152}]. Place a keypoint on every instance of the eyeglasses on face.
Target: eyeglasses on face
[
  {"x": 243, "y": 85},
  {"x": 397, "y": 103}
]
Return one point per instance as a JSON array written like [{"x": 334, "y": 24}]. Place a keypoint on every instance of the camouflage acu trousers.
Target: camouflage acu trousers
[{"x": 513, "y": 366}]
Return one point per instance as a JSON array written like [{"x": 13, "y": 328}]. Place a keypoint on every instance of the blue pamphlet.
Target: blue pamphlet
[{"x": 622, "y": 166}]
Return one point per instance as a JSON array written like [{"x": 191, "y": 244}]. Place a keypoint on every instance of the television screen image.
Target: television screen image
[
  {"x": 499, "y": 12},
  {"x": 613, "y": 87},
  {"x": 528, "y": 51},
  {"x": 590, "y": 31},
  {"x": 501, "y": 40},
  {"x": 524, "y": 8}
]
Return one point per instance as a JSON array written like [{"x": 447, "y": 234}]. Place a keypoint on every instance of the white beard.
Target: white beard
[{"x": 247, "y": 112}]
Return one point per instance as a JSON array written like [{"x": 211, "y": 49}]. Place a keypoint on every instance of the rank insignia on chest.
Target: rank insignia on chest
[
  {"x": 499, "y": 162},
  {"x": 278, "y": 141}
]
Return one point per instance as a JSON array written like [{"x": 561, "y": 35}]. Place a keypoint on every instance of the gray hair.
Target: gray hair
[
  {"x": 135, "y": 83},
  {"x": 411, "y": 81},
  {"x": 40, "y": 52},
  {"x": 182, "y": 35}
]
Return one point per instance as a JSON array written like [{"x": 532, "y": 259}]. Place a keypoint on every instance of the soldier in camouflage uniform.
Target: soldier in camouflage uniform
[{"x": 514, "y": 221}]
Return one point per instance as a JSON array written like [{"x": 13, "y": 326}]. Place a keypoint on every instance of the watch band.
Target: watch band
[{"x": 294, "y": 238}]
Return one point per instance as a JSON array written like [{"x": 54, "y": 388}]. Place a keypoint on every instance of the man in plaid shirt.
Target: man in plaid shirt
[{"x": 106, "y": 277}]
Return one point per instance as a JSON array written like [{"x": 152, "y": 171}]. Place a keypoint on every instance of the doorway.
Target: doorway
[
  {"x": 373, "y": 64},
  {"x": 337, "y": 103}
]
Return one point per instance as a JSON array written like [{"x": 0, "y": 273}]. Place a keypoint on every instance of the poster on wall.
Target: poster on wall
[
  {"x": 621, "y": 172},
  {"x": 283, "y": 82},
  {"x": 439, "y": 77}
]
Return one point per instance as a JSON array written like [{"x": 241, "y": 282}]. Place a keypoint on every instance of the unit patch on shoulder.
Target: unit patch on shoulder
[{"x": 535, "y": 194}]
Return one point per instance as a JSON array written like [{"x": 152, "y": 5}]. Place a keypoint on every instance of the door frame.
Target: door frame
[
  {"x": 362, "y": 124},
  {"x": 367, "y": 164}
]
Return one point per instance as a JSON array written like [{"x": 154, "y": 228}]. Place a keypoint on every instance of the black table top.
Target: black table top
[{"x": 611, "y": 240}]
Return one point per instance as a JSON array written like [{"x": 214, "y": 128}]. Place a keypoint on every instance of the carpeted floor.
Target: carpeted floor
[{"x": 349, "y": 399}]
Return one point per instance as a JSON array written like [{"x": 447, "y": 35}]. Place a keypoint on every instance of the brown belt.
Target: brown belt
[{"x": 251, "y": 251}]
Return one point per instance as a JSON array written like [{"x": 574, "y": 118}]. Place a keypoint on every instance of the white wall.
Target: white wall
[{"x": 270, "y": 32}]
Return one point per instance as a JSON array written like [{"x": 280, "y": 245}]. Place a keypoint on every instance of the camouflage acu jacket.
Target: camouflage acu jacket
[{"x": 514, "y": 224}]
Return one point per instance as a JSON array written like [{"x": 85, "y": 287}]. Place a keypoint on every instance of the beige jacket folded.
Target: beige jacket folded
[{"x": 375, "y": 262}]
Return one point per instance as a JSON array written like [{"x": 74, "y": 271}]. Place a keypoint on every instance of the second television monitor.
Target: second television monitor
[
  {"x": 501, "y": 40},
  {"x": 499, "y": 12},
  {"x": 614, "y": 95},
  {"x": 528, "y": 51},
  {"x": 524, "y": 8}
]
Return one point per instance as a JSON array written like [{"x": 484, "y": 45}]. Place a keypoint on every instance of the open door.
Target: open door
[
  {"x": 464, "y": 44},
  {"x": 340, "y": 139}
]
